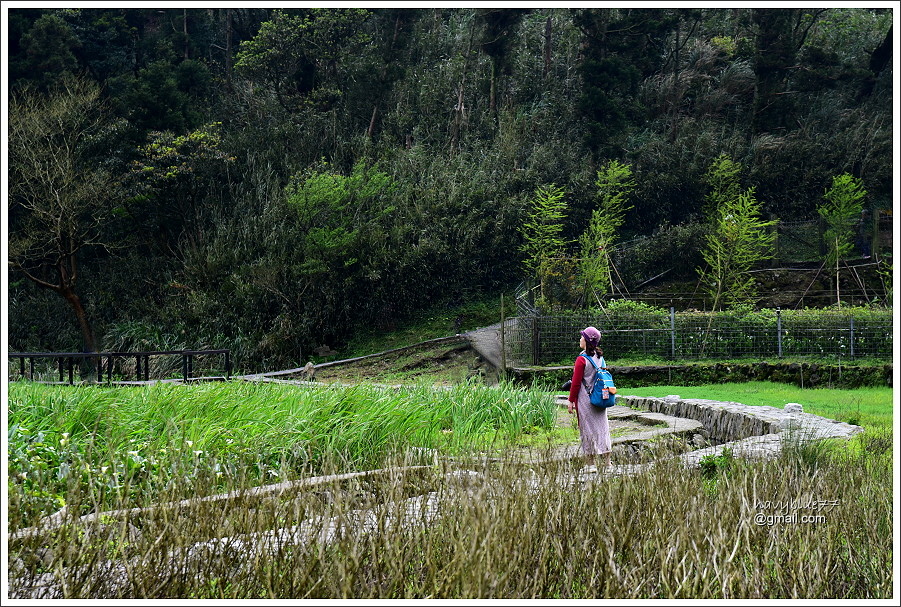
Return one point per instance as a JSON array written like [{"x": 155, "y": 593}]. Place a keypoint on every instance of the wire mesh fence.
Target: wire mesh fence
[{"x": 674, "y": 336}]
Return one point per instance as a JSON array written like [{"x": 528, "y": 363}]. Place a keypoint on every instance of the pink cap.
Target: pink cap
[{"x": 591, "y": 335}]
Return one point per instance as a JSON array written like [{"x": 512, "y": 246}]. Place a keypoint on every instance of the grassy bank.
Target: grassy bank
[{"x": 868, "y": 407}]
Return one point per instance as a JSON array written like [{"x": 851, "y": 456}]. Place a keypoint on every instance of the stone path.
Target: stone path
[
  {"x": 750, "y": 432},
  {"x": 487, "y": 342}
]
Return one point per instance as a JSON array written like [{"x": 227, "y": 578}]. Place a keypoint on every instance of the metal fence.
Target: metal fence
[
  {"x": 48, "y": 367},
  {"x": 548, "y": 340}
]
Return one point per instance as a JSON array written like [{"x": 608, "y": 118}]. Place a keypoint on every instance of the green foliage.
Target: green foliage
[
  {"x": 163, "y": 97},
  {"x": 844, "y": 203},
  {"x": 469, "y": 110},
  {"x": 615, "y": 183},
  {"x": 541, "y": 232},
  {"x": 671, "y": 250},
  {"x": 295, "y": 54},
  {"x": 711, "y": 465},
  {"x": 169, "y": 182},
  {"x": 168, "y": 156},
  {"x": 49, "y": 48},
  {"x": 738, "y": 237},
  {"x": 722, "y": 178},
  {"x": 133, "y": 443},
  {"x": 339, "y": 216}
]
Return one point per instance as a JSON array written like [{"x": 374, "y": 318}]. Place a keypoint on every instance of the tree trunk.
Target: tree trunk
[
  {"x": 547, "y": 48},
  {"x": 492, "y": 90},
  {"x": 674, "y": 100},
  {"x": 371, "y": 130},
  {"x": 185, "y": 30},
  {"x": 87, "y": 333},
  {"x": 460, "y": 110},
  {"x": 228, "y": 48}
]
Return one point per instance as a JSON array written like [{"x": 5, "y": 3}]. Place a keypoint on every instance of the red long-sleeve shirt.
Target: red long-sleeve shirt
[{"x": 578, "y": 375}]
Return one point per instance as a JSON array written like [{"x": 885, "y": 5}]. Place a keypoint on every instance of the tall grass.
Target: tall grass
[
  {"x": 145, "y": 440},
  {"x": 471, "y": 527},
  {"x": 502, "y": 531}
]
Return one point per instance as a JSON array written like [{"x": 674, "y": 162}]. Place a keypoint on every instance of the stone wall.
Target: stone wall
[{"x": 728, "y": 421}]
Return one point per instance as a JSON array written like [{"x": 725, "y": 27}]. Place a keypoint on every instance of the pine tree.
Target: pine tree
[
  {"x": 841, "y": 213},
  {"x": 737, "y": 239},
  {"x": 541, "y": 231},
  {"x": 614, "y": 183}
]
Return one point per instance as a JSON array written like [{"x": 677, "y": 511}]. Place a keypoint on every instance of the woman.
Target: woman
[{"x": 594, "y": 429}]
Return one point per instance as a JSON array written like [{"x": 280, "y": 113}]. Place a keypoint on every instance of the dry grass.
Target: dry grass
[{"x": 474, "y": 529}]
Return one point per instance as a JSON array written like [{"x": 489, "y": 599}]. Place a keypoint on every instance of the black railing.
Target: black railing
[{"x": 105, "y": 362}]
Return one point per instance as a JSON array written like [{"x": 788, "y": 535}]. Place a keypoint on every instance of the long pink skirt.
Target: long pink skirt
[{"x": 594, "y": 428}]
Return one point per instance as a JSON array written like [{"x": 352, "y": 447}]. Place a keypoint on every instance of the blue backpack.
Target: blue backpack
[{"x": 600, "y": 393}]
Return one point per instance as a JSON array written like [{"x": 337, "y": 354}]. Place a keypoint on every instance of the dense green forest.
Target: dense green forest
[{"x": 270, "y": 180}]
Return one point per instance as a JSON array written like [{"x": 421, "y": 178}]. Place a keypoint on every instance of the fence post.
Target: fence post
[
  {"x": 779, "y": 332},
  {"x": 535, "y": 340},
  {"x": 503, "y": 342},
  {"x": 184, "y": 366},
  {"x": 874, "y": 241},
  {"x": 228, "y": 364},
  {"x": 672, "y": 332},
  {"x": 71, "y": 372},
  {"x": 852, "y": 337}
]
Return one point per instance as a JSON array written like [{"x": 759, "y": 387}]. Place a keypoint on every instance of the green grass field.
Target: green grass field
[{"x": 868, "y": 407}]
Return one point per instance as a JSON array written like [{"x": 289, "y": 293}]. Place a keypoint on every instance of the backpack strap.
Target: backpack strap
[{"x": 596, "y": 374}]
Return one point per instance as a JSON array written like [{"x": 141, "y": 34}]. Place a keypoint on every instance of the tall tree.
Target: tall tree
[
  {"x": 497, "y": 40},
  {"x": 49, "y": 48},
  {"x": 614, "y": 183},
  {"x": 621, "y": 48},
  {"x": 780, "y": 35},
  {"x": 737, "y": 238},
  {"x": 58, "y": 191},
  {"x": 541, "y": 232},
  {"x": 298, "y": 55},
  {"x": 842, "y": 211}
]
